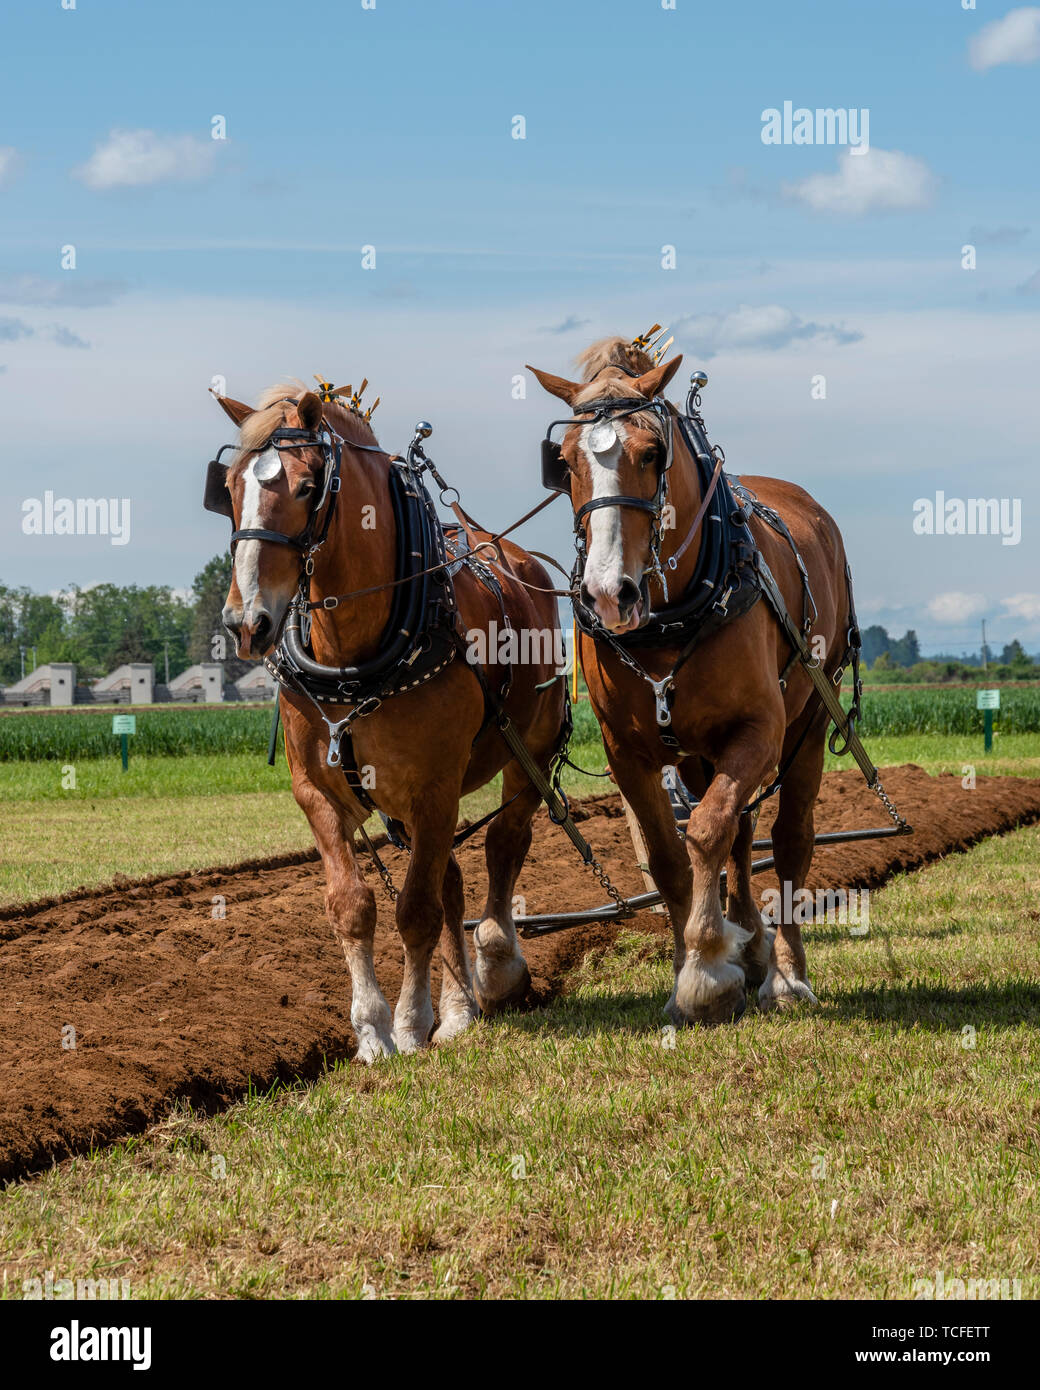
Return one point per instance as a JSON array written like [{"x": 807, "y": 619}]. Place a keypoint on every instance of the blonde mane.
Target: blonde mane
[
  {"x": 619, "y": 353},
  {"x": 271, "y": 411}
]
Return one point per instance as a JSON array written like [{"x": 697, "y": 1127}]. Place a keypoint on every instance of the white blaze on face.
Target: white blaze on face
[
  {"x": 265, "y": 466},
  {"x": 605, "y": 566}
]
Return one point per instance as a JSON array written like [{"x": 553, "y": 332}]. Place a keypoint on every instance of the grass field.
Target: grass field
[
  {"x": 572, "y": 1151},
  {"x": 168, "y": 813}
]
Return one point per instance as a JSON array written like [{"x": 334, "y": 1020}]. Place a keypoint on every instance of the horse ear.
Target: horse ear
[
  {"x": 309, "y": 410},
  {"x": 652, "y": 383},
  {"x": 557, "y": 385},
  {"x": 235, "y": 410}
]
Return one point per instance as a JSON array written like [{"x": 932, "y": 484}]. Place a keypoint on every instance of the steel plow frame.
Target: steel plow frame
[{"x": 545, "y": 923}]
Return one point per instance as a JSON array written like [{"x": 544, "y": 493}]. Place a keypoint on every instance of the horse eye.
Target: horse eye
[
  {"x": 650, "y": 455},
  {"x": 305, "y": 489}
]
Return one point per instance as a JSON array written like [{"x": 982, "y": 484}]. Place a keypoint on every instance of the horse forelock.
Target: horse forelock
[
  {"x": 602, "y": 384},
  {"x": 272, "y": 409}
]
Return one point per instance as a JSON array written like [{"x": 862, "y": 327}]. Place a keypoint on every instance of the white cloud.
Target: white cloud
[
  {"x": 70, "y": 291},
  {"x": 1025, "y": 606},
  {"x": 1013, "y": 39},
  {"x": 8, "y": 163},
  {"x": 956, "y": 607},
  {"x": 767, "y": 326},
  {"x": 133, "y": 158},
  {"x": 878, "y": 181}
]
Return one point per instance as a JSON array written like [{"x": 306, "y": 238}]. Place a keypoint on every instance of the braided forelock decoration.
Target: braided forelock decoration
[{"x": 615, "y": 352}]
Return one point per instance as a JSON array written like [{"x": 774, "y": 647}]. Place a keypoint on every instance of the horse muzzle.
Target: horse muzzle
[
  {"x": 621, "y": 611},
  {"x": 255, "y": 633}
]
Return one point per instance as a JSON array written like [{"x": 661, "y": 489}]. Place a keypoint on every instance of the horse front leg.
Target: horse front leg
[
  {"x": 794, "y": 840},
  {"x": 643, "y": 787},
  {"x": 351, "y": 909},
  {"x": 500, "y": 973},
  {"x": 458, "y": 1006},
  {"x": 709, "y": 985},
  {"x": 741, "y": 906},
  {"x": 420, "y": 915}
]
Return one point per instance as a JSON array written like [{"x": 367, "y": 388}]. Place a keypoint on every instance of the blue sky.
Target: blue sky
[{"x": 391, "y": 127}]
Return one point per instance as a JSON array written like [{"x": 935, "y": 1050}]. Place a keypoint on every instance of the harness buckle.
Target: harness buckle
[
  {"x": 331, "y": 602},
  {"x": 663, "y": 713},
  {"x": 308, "y": 565},
  {"x": 721, "y": 605},
  {"x": 336, "y": 729}
]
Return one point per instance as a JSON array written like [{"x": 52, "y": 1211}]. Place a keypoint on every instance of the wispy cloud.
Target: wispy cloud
[
  {"x": 135, "y": 158},
  {"x": 879, "y": 181},
  {"x": 1013, "y": 39},
  {"x": 954, "y": 607},
  {"x": 64, "y": 337},
  {"x": 13, "y": 329},
  {"x": 9, "y": 161},
  {"x": 70, "y": 291},
  {"x": 1032, "y": 285},
  {"x": 1025, "y": 606},
  {"x": 768, "y": 327},
  {"x": 997, "y": 236},
  {"x": 569, "y": 324}
]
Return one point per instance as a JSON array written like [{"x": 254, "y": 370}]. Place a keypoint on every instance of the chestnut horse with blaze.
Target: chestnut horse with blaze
[
  {"x": 733, "y": 719},
  {"x": 427, "y": 747}
]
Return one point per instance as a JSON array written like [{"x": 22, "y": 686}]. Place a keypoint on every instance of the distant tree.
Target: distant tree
[
  {"x": 882, "y": 663},
  {"x": 211, "y": 590},
  {"x": 110, "y": 625},
  {"x": 875, "y": 641},
  {"x": 905, "y": 651},
  {"x": 1014, "y": 654}
]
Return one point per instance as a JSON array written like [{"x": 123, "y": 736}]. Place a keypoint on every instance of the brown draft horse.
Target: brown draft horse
[
  {"x": 423, "y": 748},
  {"x": 733, "y": 721}
]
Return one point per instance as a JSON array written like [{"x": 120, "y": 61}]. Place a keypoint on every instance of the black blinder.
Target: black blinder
[
  {"x": 555, "y": 473},
  {"x": 216, "y": 498}
]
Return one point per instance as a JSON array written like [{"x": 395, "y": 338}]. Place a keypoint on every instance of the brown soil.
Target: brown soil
[{"x": 169, "y": 1002}]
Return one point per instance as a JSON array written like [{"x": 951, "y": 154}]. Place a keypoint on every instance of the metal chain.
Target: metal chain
[
  {"x": 388, "y": 883},
  {"x": 601, "y": 877},
  {"x": 883, "y": 797},
  {"x": 383, "y": 872}
]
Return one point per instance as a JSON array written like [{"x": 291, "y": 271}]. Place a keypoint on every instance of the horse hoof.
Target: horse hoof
[
  {"x": 409, "y": 1040},
  {"x": 727, "y": 1007},
  {"x": 500, "y": 984},
  {"x": 372, "y": 1047},
  {"x": 453, "y": 1025},
  {"x": 778, "y": 992}
]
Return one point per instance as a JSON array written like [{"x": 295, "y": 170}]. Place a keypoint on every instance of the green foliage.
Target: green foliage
[
  {"x": 945, "y": 712},
  {"x": 170, "y": 733},
  {"x": 99, "y": 629}
]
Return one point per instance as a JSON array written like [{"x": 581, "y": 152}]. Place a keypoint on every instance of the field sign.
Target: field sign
[
  {"x": 124, "y": 725},
  {"x": 987, "y": 701}
]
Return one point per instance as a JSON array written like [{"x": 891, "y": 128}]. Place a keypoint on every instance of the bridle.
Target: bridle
[
  {"x": 555, "y": 474},
  {"x": 217, "y": 498}
]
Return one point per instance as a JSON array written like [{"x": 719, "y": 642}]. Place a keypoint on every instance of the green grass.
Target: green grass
[
  {"x": 163, "y": 731},
  {"x": 841, "y": 1153},
  {"x": 167, "y": 814},
  {"x": 166, "y": 731}
]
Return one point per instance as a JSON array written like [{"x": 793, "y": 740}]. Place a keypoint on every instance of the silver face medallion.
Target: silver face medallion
[
  {"x": 602, "y": 437},
  {"x": 267, "y": 466}
]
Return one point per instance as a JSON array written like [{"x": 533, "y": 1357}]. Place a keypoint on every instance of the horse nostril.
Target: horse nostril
[
  {"x": 628, "y": 595},
  {"x": 261, "y": 630}
]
